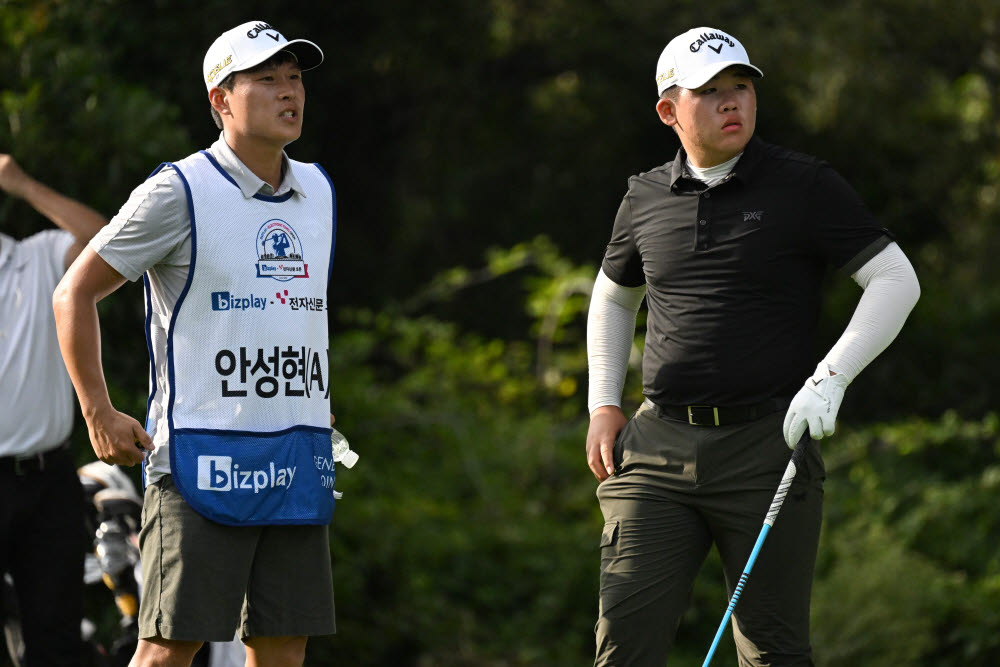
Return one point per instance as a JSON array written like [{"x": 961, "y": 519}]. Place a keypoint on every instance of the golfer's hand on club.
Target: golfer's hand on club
[
  {"x": 815, "y": 406},
  {"x": 118, "y": 438},
  {"x": 606, "y": 422}
]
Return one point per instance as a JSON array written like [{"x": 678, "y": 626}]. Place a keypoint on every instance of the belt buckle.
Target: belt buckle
[
  {"x": 692, "y": 408},
  {"x": 26, "y": 462}
]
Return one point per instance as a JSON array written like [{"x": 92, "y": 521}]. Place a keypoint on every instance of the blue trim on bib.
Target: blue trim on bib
[
  {"x": 325, "y": 432},
  {"x": 275, "y": 199},
  {"x": 171, "y": 377},
  {"x": 152, "y": 364},
  {"x": 158, "y": 169},
  {"x": 219, "y": 168},
  {"x": 149, "y": 345},
  {"x": 282, "y": 478},
  {"x": 149, "y": 340},
  {"x": 333, "y": 236},
  {"x": 268, "y": 198}
]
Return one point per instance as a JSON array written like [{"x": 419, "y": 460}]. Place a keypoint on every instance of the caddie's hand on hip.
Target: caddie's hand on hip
[
  {"x": 815, "y": 406},
  {"x": 118, "y": 438},
  {"x": 606, "y": 422}
]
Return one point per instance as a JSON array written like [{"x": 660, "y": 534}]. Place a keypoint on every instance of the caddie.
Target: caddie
[
  {"x": 235, "y": 246},
  {"x": 728, "y": 243}
]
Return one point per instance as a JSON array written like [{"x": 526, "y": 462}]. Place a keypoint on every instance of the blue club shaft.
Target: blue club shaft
[{"x": 772, "y": 513}]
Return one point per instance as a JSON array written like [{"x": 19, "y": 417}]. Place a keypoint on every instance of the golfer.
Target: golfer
[
  {"x": 234, "y": 244},
  {"x": 728, "y": 243}
]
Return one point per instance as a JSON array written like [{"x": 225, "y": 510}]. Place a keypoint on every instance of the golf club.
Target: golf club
[{"x": 772, "y": 513}]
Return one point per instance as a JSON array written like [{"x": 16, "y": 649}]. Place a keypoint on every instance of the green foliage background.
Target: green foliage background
[{"x": 480, "y": 149}]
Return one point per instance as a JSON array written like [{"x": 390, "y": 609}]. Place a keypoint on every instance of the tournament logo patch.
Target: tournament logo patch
[{"x": 279, "y": 252}]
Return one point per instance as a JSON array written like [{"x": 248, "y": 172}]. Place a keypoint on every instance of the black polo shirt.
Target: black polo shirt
[{"x": 733, "y": 272}]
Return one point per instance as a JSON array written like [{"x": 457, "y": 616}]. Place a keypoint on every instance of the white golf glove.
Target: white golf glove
[{"x": 816, "y": 406}]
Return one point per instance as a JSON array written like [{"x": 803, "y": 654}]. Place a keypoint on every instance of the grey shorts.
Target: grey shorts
[
  {"x": 204, "y": 581},
  {"x": 677, "y": 491}
]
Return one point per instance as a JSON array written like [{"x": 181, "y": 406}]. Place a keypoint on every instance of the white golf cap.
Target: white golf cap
[
  {"x": 694, "y": 57},
  {"x": 251, "y": 44}
]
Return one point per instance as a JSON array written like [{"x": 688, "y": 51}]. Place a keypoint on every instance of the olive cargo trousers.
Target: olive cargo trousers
[{"x": 678, "y": 489}]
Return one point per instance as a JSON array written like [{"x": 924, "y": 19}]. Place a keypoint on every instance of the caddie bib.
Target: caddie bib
[{"x": 248, "y": 376}]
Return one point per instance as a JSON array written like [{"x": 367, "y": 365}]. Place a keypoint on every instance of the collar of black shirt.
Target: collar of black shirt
[{"x": 682, "y": 181}]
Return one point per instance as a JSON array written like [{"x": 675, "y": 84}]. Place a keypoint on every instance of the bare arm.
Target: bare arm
[
  {"x": 113, "y": 435},
  {"x": 78, "y": 219}
]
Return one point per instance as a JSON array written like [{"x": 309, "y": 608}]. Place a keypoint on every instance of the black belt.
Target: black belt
[
  {"x": 717, "y": 415},
  {"x": 23, "y": 464}
]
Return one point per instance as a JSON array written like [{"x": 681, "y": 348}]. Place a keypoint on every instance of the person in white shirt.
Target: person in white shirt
[{"x": 42, "y": 541}]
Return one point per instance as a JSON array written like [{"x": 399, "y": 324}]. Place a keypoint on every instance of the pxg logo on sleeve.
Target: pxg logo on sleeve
[{"x": 227, "y": 301}]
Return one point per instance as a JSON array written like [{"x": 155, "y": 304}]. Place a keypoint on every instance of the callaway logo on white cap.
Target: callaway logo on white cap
[
  {"x": 251, "y": 44},
  {"x": 694, "y": 57}
]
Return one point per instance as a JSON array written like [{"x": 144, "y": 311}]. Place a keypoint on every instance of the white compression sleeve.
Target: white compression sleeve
[
  {"x": 890, "y": 291},
  {"x": 610, "y": 329}
]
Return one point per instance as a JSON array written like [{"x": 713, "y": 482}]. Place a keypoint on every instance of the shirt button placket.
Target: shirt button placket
[{"x": 701, "y": 233}]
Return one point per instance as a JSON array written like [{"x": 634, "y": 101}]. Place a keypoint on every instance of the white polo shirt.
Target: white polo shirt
[{"x": 36, "y": 395}]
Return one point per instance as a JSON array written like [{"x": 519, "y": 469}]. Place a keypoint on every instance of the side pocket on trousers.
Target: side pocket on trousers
[{"x": 609, "y": 536}]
